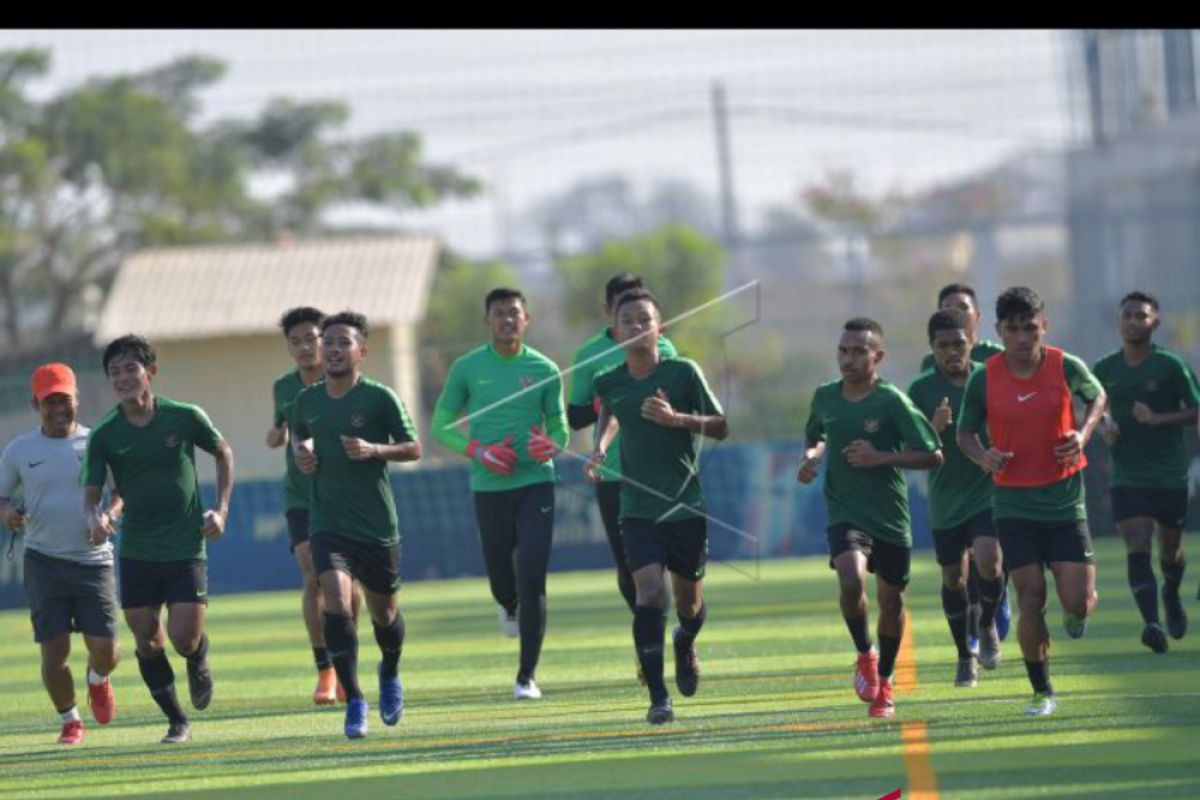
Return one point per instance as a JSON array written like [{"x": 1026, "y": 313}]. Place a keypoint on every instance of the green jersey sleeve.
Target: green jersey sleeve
[
  {"x": 1184, "y": 380},
  {"x": 973, "y": 414},
  {"x": 814, "y": 429},
  {"x": 277, "y": 394},
  {"x": 399, "y": 425},
  {"x": 702, "y": 400},
  {"x": 449, "y": 406},
  {"x": 1082, "y": 382},
  {"x": 915, "y": 430},
  {"x": 300, "y": 430},
  {"x": 583, "y": 369},
  {"x": 95, "y": 465},
  {"x": 554, "y": 412},
  {"x": 204, "y": 433}
]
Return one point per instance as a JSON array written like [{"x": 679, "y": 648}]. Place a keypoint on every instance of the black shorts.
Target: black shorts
[
  {"x": 67, "y": 596},
  {"x": 376, "y": 566},
  {"x": 891, "y": 562},
  {"x": 1167, "y": 507},
  {"x": 681, "y": 545},
  {"x": 950, "y": 543},
  {"x": 1031, "y": 541},
  {"x": 297, "y": 525},
  {"x": 149, "y": 584}
]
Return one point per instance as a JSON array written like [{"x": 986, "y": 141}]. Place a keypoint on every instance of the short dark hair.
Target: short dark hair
[
  {"x": 299, "y": 315},
  {"x": 634, "y": 295},
  {"x": 351, "y": 319},
  {"x": 864, "y": 324},
  {"x": 950, "y": 319},
  {"x": 502, "y": 293},
  {"x": 1138, "y": 296},
  {"x": 957, "y": 288},
  {"x": 619, "y": 284},
  {"x": 1018, "y": 301},
  {"x": 133, "y": 345}
]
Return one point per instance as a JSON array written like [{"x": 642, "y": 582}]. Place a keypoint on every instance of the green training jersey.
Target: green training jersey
[
  {"x": 503, "y": 396},
  {"x": 875, "y": 499},
  {"x": 296, "y": 485},
  {"x": 1061, "y": 501},
  {"x": 659, "y": 467},
  {"x": 154, "y": 469},
  {"x": 983, "y": 349},
  {"x": 352, "y": 498},
  {"x": 1146, "y": 456},
  {"x": 958, "y": 489},
  {"x": 599, "y": 354}
]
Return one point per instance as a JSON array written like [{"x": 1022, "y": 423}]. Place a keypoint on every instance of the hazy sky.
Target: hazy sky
[{"x": 533, "y": 111}]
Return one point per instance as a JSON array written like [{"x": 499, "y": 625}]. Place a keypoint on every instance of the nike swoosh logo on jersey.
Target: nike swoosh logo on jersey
[
  {"x": 484, "y": 381},
  {"x": 125, "y": 450},
  {"x": 1021, "y": 398},
  {"x": 33, "y": 464},
  {"x": 546, "y": 509}
]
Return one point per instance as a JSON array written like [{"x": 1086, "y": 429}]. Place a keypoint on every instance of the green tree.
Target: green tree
[
  {"x": 121, "y": 162},
  {"x": 684, "y": 268}
]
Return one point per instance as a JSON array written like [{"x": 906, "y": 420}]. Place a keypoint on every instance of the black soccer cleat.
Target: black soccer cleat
[
  {"x": 1154, "y": 638},
  {"x": 967, "y": 674},
  {"x": 687, "y": 666},
  {"x": 1177, "y": 620},
  {"x": 178, "y": 733},
  {"x": 200, "y": 684},
  {"x": 661, "y": 713}
]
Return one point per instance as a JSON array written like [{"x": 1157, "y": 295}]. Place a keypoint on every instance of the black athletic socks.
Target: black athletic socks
[
  {"x": 160, "y": 680},
  {"x": 342, "y": 641},
  {"x": 648, "y": 632},
  {"x": 1144, "y": 585},
  {"x": 390, "y": 639},
  {"x": 860, "y": 634},
  {"x": 889, "y": 648},
  {"x": 955, "y": 605}
]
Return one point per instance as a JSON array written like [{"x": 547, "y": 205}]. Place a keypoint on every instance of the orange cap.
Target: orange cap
[{"x": 51, "y": 379}]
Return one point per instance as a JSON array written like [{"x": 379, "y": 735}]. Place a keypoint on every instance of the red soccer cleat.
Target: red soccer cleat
[
  {"x": 103, "y": 702},
  {"x": 72, "y": 732},
  {"x": 882, "y": 706},
  {"x": 866, "y": 676}
]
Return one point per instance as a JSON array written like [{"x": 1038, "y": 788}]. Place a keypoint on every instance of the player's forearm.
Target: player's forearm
[
  {"x": 607, "y": 428},
  {"x": 971, "y": 447},
  {"x": 448, "y": 431},
  {"x": 913, "y": 459},
  {"x": 1175, "y": 419},
  {"x": 556, "y": 429},
  {"x": 715, "y": 426},
  {"x": 399, "y": 451},
  {"x": 224, "y": 459},
  {"x": 116, "y": 505},
  {"x": 1095, "y": 413},
  {"x": 91, "y": 502},
  {"x": 815, "y": 450}
]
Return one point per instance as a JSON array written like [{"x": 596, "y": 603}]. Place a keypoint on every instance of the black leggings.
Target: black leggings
[
  {"x": 515, "y": 531},
  {"x": 608, "y": 497}
]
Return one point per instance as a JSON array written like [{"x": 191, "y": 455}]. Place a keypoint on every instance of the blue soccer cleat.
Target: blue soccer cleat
[
  {"x": 391, "y": 698},
  {"x": 356, "y": 718},
  {"x": 1003, "y": 616}
]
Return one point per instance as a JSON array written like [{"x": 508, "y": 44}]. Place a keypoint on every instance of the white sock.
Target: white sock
[
  {"x": 95, "y": 678},
  {"x": 71, "y": 716}
]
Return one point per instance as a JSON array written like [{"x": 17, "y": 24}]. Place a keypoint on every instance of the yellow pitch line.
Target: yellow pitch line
[{"x": 922, "y": 780}]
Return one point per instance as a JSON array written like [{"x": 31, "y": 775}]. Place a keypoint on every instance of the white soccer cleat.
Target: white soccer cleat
[
  {"x": 526, "y": 691},
  {"x": 509, "y": 625}
]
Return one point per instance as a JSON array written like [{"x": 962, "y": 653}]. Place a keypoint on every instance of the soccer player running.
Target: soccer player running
[
  {"x": 598, "y": 354},
  {"x": 1023, "y": 397},
  {"x": 512, "y": 395},
  {"x": 302, "y": 332},
  {"x": 344, "y": 431},
  {"x": 961, "y": 297},
  {"x": 960, "y": 497},
  {"x": 148, "y": 444},
  {"x": 870, "y": 431},
  {"x": 659, "y": 404},
  {"x": 69, "y": 581},
  {"x": 1152, "y": 395}
]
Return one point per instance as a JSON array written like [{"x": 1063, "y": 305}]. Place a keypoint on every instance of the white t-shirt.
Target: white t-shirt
[{"x": 45, "y": 472}]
